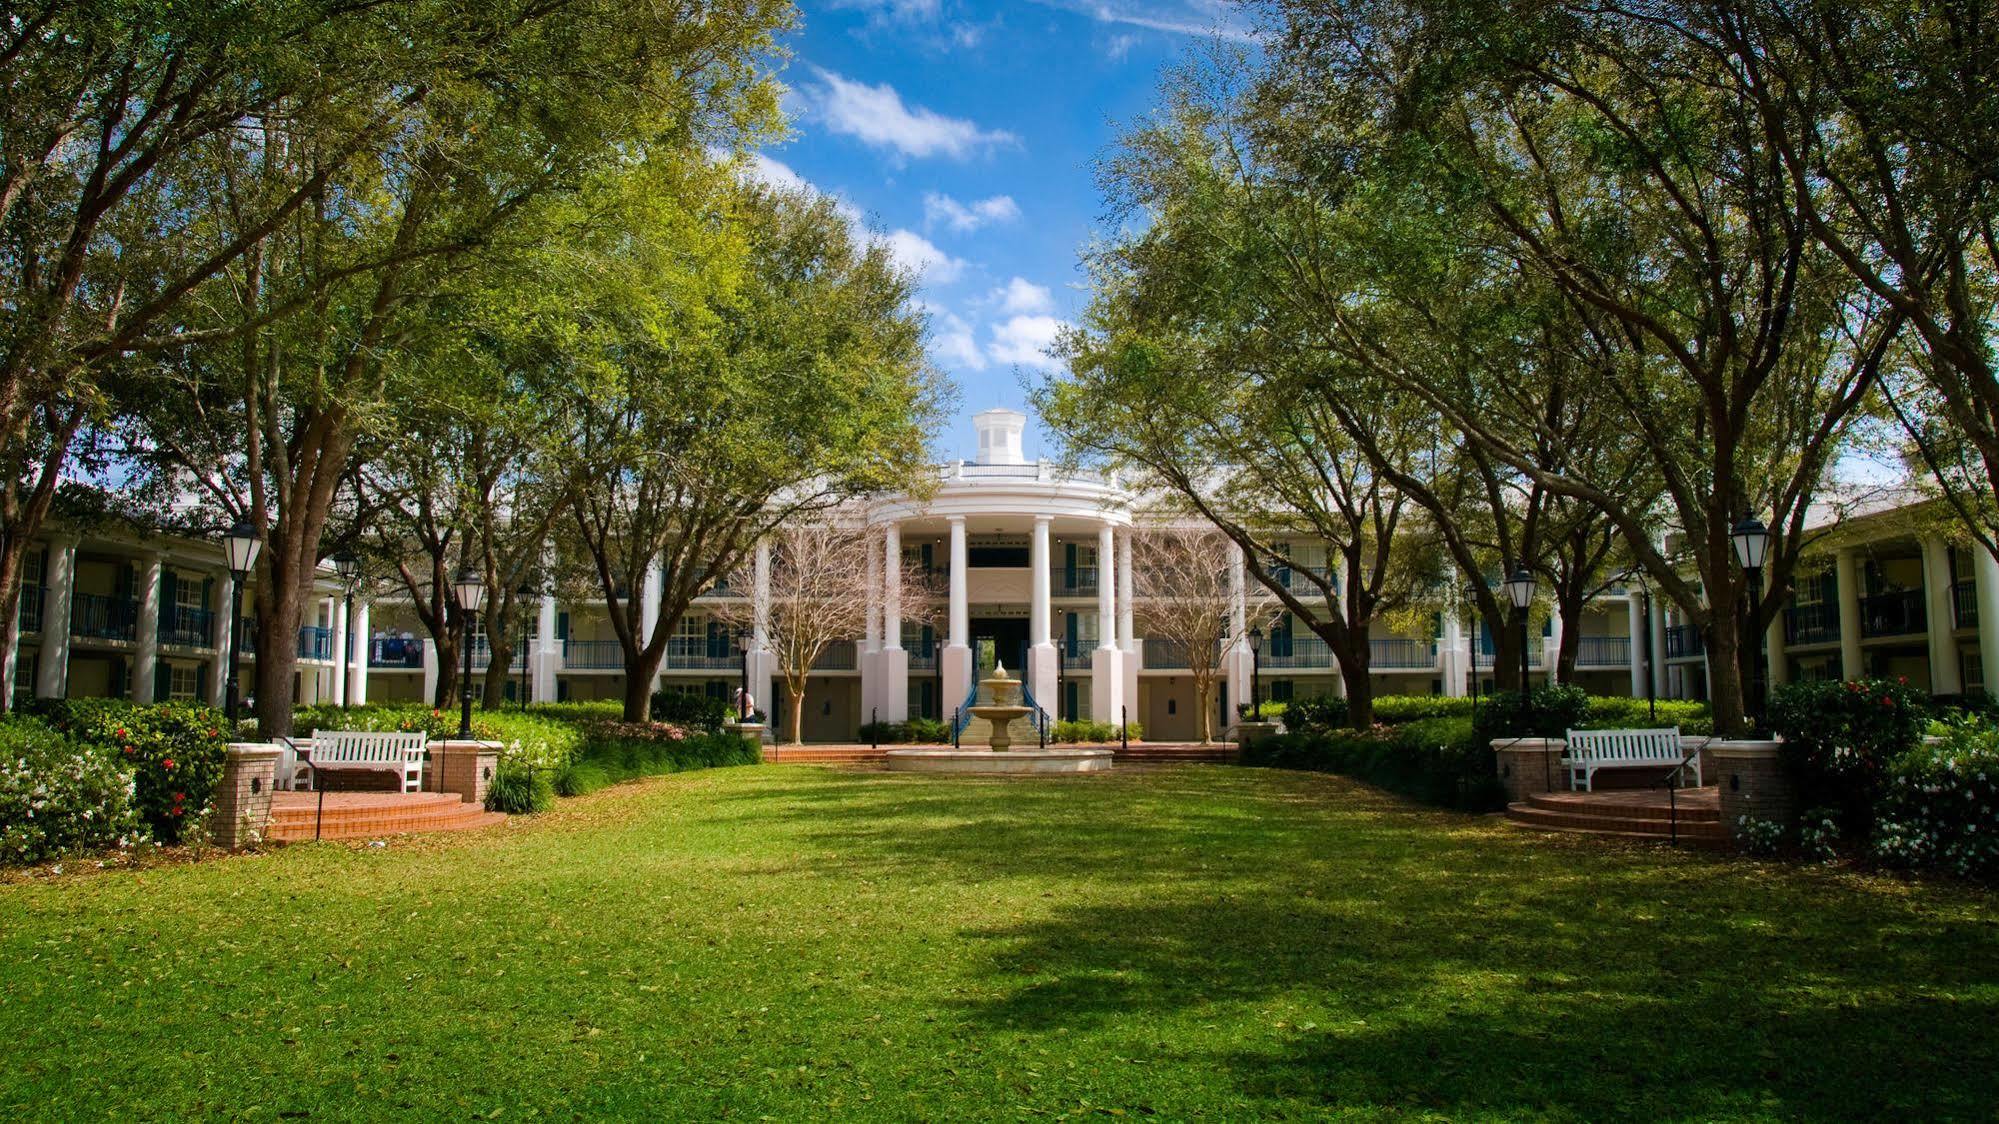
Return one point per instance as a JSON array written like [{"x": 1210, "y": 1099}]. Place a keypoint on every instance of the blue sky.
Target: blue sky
[{"x": 965, "y": 134}]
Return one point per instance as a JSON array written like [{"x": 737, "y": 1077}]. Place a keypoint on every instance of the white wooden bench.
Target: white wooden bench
[
  {"x": 1590, "y": 750},
  {"x": 400, "y": 753}
]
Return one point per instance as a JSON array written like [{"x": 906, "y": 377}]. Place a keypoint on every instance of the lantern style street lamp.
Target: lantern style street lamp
[
  {"x": 743, "y": 695},
  {"x": 1752, "y": 548},
  {"x": 521, "y": 598},
  {"x": 1520, "y": 590},
  {"x": 1256, "y": 674},
  {"x": 349, "y": 568},
  {"x": 240, "y": 544},
  {"x": 470, "y": 593}
]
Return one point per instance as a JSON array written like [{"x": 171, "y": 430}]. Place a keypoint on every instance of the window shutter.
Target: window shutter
[
  {"x": 208, "y": 595},
  {"x": 118, "y": 688},
  {"x": 562, "y": 626},
  {"x": 163, "y": 681},
  {"x": 1069, "y": 565},
  {"x": 169, "y": 605}
]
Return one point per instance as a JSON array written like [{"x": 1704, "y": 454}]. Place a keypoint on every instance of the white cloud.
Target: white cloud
[
  {"x": 776, "y": 173},
  {"x": 1020, "y": 296},
  {"x": 877, "y": 117},
  {"x": 1025, "y": 341},
  {"x": 962, "y": 218},
  {"x": 1120, "y": 46},
  {"x": 1180, "y": 17},
  {"x": 921, "y": 256},
  {"x": 951, "y": 339}
]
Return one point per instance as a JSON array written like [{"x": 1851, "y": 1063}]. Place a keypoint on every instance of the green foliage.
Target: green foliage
[
  {"x": 1088, "y": 730},
  {"x": 1322, "y": 713},
  {"x": 622, "y": 751},
  {"x": 1394, "y": 710},
  {"x": 1940, "y": 807},
  {"x": 1616, "y": 712},
  {"x": 916, "y": 731},
  {"x": 1544, "y": 712},
  {"x": 519, "y": 789},
  {"x": 691, "y": 710},
  {"x": 1839, "y": 738},
  {"x": 175, "y": 750},
  {"x": 1438, "y": 761},
  {"x": 546, "y": 736},
  {"x": 59, "y": 796}
]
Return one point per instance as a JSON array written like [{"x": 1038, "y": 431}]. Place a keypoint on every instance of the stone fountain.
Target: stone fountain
[{"x": 1000, "y": 756}]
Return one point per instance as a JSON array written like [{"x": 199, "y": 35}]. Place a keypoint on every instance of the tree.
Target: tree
[
  {"x": 792, "y": 381},
  {"x": 819, "y": 594},
  {"x": 1190, "y": 597}
]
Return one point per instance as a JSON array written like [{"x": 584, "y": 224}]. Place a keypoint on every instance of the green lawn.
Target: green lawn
[{"x": 794, "y": 943}]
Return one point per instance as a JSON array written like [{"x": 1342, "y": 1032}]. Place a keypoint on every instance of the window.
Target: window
[
  {"x": 1281, "y": 690},
  {"x": 997, "y": 557}
]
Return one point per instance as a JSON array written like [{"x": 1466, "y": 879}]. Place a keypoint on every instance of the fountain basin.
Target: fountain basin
[{"x": 1053, "y": 760}]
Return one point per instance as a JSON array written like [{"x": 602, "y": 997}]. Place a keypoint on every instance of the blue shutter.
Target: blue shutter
[
  {"x": 1069, "y": 629},
  {"x": 169, "y": 609},
  {"x": 562, "y": 626},
  {"x": 208, "y": 595},
  {"x": 1069, "y": 565},
  {"x": 163, "y": 681}
]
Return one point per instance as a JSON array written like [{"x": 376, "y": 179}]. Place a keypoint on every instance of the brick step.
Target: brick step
[
  {"x": 1690, "y": 831},
  {"x": 1691, "y": 809},
  {"x": 1211, "y": 755},
  {"x": 370, "y": 816}
]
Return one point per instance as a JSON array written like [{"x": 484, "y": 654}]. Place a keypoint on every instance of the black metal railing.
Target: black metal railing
[
  {"x": 698, "y": 653},
  {"x": 1603, "y": 651},
  {"x": 1394, "y": 653},
  {"x": 593, "y": 655},
  {"x": 29, "y": 617},
  {"x": 98, "y": 617},
  {"x": 838, "y": 656},
  {"x": 1073, "y": 581},
  {"x": 1964, "y": 603},
  {"x": 1683, "y": 640},
  {"x": 187, "y": 627},
  {"x": 1892, "y": 614},
  {"x": 1814, "y": 623},
  {"x": 395, "y": 652}
]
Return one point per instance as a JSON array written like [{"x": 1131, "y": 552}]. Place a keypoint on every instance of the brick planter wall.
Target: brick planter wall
[
  {"x": 242, "y": 813},
  {"x": 1753, "y": 782},
  {"x": 1529, "y": 766},
  {"x": 465, "y": 768}
]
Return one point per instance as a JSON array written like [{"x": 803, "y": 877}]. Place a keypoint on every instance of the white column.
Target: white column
[
  {"x": 1134, "y": 650},
  {"x": 1946, "y": 677},
  {"x": 1846, "y": 573},
  {"x": 1236, "y": 660},
  {"x": 548, "y": 649},
  {"x": 1551, "y": 644},
  {"x": 360, "y": 652},
  {"x": 1042, "y": 659},
  {"x": 343, "y": 651},
  {"x": 1656, "y": 657},
  {"x": 224, "y": 622},
  {"x": 430, "y": 670},
  {"x": 1107, "y": 632},
  {"x": 893, "y": 663},
  {"x": 1988, "y": 620},
  {"x": 1107, "y": 662},
  {"x": 52, "y": 669},
  {"x": 1634, "y": 616},
  {"x": 1452, "y": 654},
  {"x": 955, "y": 662},
  {"x": 763, "y": 665},
  {"x": 146, "y": 635}
]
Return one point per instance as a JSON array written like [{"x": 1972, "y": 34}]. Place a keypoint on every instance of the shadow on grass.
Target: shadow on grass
[{"x": 1436, "y": 962}]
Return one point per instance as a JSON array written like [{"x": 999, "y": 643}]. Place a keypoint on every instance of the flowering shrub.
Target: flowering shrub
[
  {"x": 1818, "y": 834},
  {"x": 543, "y": 737},
  {"x": 1760, "y": 836},
  {"x": 1839, "y": 738},
  {"x": 175, "y": 750},
  {"x": 1941, "y": 806},
  {"x": 58, "y": 796}
]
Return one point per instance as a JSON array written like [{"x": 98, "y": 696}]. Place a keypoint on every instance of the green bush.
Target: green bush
[
  {"x": 696, "y": 712},
  {"x": 581, "y": 779},
  {"x": 1435, "y": 760},
  {"x": 59, "y": 796},
  {"x": 1087, "y": 730},
  {"x": 614, "y": 752},
  {"x": 519, "y": 789},
  {"x": 1316, "y": 715},
  {"x": 175, "y": 750},
  {"x": 1940, "y": 807},
  {"x": 1616, "y": 712},
  {"x": 1839, "y": 739},
  {"x": 1544, "y": 712},
  {"x": 1394, "y": 710},
  {"x": 916, "y": 731},
  {"x": 545, "y": 736}
]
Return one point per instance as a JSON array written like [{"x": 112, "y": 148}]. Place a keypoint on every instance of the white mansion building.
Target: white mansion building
[{"x": 1038, "y": 568}]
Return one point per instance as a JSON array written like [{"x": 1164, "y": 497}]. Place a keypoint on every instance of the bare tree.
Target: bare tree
[
  {"x": 819, "y": 596},
  {"x": 1186, "y": 598}
]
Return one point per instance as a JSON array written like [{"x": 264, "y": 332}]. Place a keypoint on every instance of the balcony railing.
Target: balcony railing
[
  {"x": 1892, "y": 614},
  {"x": 1077, "y": 656},
  {"x": 1295, "y": 577},
  {"x": 98, "y": 617},
  {"x": 1814, "y": 623},
  {"x": 1169, "y": 654},
  {"x": 1683, "y": 640},
  {"x": 187, "y": 627},
  {"x": 923, "y": 659},
  {"x": 1963, "y": 600},
  {"x": 482, "y": 653},
  {"x": 315, "y": 643},
  {"x": 695, "y": 653},
  {"x": 1603, "y": 651},
  {"x": 1394, "y": 653},
  {"x": 838, "y": 656},
  {"x": 29, "y": 618},
  {"x": 395, "y": 652},
  {"x": 593, "y": 655},
  {"x": 1080, "y": 581}
]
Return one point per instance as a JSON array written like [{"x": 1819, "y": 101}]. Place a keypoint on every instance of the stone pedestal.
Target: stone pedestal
[
  {"x": 1529, "y": 766},
  {"x": 243, "y": 796},
  {"x": 751, "y": 730},
  {"x": 1753, "y": 783},
  {"x": 465, "y": 768},
  {"x": 1248, "y": 733}
]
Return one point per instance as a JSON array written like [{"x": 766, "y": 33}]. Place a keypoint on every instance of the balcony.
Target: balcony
[
  {"x": 1603, "y": 651},
  {"x": 1077, "y": 656},
  {"x": 29, "y": 617},
  {"x": 1299, "y": 578},
  {"x": 593, "y": 655},
  {"x": 1077, "y": 581},
  {"x": 1892, "y": 614},
  {"x": 1168, "y": 654},
  {"x": 1683, "y": 641},
  {"x": 838, "y": 656},
  {"x": 94, "y": 616},
  {"x": 396, "y": 652},
  {"x": 187, "y": 628},
  {"x": 315, "y": 643},
  {"x": 482, "y": 653},
  {"x": 1814, "y": 623},
  {"x": 923, "y": 659},
  {"x": 1400, "y": 654},
  {"x": 1963, "y": 600},
  {"x": 684, "y": 653}
]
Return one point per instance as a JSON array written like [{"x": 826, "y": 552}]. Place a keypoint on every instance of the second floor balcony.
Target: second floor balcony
[
  {"x": 96, "y": 616},
  {"x": 29, "y": 617},
  {"x": 1964, "y": 603},
  {"x": 1812, "y": 623},
  {"x": 1683, "y": 641},
  {"x": 1073, "y": 581},
  {"x": 1393, "y": 654},
  {"x": 593, "y": 655},
  {"x": 1892, "y": 614},
  {"x": 838, "y": 656},
  {"x": 395, "y": 652},
  {"x": 1603, "y": 651},
  {"x": 314, "y": 642},
  {"x": 187, "y": 627}
]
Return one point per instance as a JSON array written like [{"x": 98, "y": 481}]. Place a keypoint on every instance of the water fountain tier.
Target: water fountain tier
[
  {"x": 1000, "y": 756},
  {"x": 1002, "y": 711}
]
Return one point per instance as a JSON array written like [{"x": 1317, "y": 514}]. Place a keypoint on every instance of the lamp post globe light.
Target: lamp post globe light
[
  {"x": 1256, "y": 674},
  {"x": 470, "y": 593},
  {"x": 349, "y": 568},
  {"x": 1752, "y": 548},
  {"x": 1520, "y": 591},
  {"x": 240, "y": 544}
]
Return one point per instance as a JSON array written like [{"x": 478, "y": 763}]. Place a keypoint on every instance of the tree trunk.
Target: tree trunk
[
  {"x": 11, "y": 555},
  {"x": 1357, "y": 677},
  {"x": 1202, "y": 690},
  {"x": 797, "y": 704},
  {"x": 1505, "y": 655},
  {"x": 639, "y": 677},
  {"x": 280, "y": 604},
  {"x": 448, "y": 669},
  {"x": 1725, "y": 695},
  {"x": 493, "y": 685},
  {"x": 1571, "y": 610}
]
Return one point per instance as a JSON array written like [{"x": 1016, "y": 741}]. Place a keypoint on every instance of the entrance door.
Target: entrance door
[{"x": 1003, "y": 639}]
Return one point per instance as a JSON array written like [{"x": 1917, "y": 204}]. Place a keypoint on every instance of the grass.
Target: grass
[{"x": 1190, "y": 942}]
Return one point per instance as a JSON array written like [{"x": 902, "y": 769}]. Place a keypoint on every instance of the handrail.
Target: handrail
[
  {"x": 965, "y": 712},
  {"x": 1673, "y": 790}
]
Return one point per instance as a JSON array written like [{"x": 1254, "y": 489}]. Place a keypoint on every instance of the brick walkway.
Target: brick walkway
[
  {"x": 1645, "y": 813},
  {"x": 371, "y": 815},
  {"x": 1152, "y": 752}
]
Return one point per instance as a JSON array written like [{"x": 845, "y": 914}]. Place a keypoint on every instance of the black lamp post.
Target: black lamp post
[
  {"x": 349, "y": 569},
  {"x": 470, "y": 593},
  {"x": 1645, "y": 631},
  {"x": 1752, "y": 548},
  {"x": 241, "y": 545},
  {"x": 1471, "y": 647},
  {"x": 1520, "y": 590},
  {"x": 1256, "y": 674},
  {"x": 521, "y": 597},
  {"x": 743, "y": 696}
]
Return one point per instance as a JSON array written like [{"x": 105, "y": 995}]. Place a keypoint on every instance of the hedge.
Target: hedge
[
  {"x": 175, "y": 750},
  {"x": 1601, "y": 712},
  {"x": 543, "y": 737},
  {"x": 59, "y": 796},
  {"x": 614, "y": 752},
  {"x": 1438, "y": 761}
]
